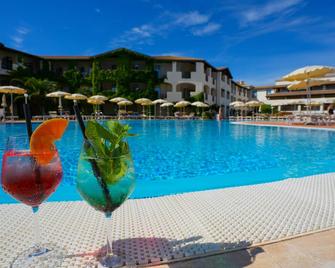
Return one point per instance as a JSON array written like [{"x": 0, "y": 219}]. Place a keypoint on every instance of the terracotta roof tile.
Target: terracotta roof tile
[{"x": 66, "y": 57}]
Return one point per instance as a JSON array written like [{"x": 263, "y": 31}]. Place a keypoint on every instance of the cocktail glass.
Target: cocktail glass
[
  {"x": 105, "y": 183},
  {"x": 31, "y": 183}
]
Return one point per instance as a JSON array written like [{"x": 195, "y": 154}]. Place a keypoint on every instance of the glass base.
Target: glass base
[
  {"x": 109, "y": 261},
  {"x": 47, "y": 255}
]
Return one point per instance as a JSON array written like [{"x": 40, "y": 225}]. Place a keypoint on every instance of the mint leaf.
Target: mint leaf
[{"x": 106, "y": 143}]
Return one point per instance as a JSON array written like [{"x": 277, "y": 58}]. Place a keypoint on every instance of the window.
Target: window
[
  {"x": 268, "y": 91},
  {"x": 7, "y": 63},
  {"x": 223, "y": 78},
  {"x": 222, "y": 92},
  {"x": 254, "y": 94},
  {"x": 228, "y": 95},
  {"x": 213, "y": 92}
]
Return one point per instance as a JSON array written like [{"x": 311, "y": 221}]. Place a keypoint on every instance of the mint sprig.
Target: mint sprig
[{"x": 107, "y": 146}]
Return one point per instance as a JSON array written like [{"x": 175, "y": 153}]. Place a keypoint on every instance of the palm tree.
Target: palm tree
[{"x": 38, "y": 88}]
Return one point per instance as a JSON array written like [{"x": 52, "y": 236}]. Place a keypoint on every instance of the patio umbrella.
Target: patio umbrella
[
  {"x": 125, "y": 103},
  {"x": 158, "y": 101},
  {"x": 236, "y": 103},
  {"x": 4, "y": 101},
  {"x": 59, "y": 95},
  {"x": 308, "y": 72},
  {"x": 200, "y": 104},
  {"x": 76, "y": 97},
  {"x": 167, "y": 104},
  {"x": 253, "y": 104},
  {"x": 95, "y": 101},
  {"x": 147, "y": 103},
  {"x": 182, "y": 105},
  {"x": 12, "y": 90},
  {"x": 141, "y": 101},
  {"x": 117, "y": 99},
  {"x": 98, "y": 97},
  {"x": 302, "y": 77}
]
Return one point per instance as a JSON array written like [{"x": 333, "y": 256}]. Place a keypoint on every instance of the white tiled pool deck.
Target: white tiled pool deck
[{"x": 158, "y": 230}]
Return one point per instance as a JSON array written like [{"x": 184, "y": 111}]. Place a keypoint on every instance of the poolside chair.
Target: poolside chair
[{"x": 53, "y": 114}]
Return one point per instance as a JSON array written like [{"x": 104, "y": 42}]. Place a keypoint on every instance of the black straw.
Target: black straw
[
  {"x": 27, "y": 116},
  {"x": 79, "y": 118},
  {"x": 95, "y": 168}
]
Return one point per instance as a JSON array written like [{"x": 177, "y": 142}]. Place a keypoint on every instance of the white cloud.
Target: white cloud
[
  {"x": 198, "y": 23},
  {"x": 257, "y": 13},
  {"x": 19, "y": 36},
  {"x": 208, "y": 29},
  {"x": 191, "y": 18},
  {"x": 143, "y": 31},
  {"x": 22, "y": 30},
  {"x": 97, "y": 10}
]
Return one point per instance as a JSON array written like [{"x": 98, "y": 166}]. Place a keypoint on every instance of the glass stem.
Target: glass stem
[
  {"x": 109, "y": 251},
  {"x": 36, "y": 228}
]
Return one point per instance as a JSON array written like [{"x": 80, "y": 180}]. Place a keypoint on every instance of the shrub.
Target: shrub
[{"x": 208, "y": 115}]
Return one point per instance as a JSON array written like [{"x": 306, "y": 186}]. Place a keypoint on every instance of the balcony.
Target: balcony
[{"x": 303, "y": 94}]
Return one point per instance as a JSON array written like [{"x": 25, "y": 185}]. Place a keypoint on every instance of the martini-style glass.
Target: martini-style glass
[
  {"x": 105, "y": 183},
  {"x": 31, "y": 183}
]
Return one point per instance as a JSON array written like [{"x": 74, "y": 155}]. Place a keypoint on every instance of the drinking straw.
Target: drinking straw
[
  {"x": 94, "y": 164},
  {"x": 79, "y": 118},
  {"x": 27, "y": 115}
]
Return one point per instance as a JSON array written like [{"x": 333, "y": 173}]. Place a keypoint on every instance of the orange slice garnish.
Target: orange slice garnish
[{"x": 42, "y": 140}]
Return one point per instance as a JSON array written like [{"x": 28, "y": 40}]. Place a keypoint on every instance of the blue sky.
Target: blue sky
[{"x": 258, "y": 40}]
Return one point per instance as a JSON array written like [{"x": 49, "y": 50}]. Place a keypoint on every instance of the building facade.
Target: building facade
[
  {"x": 182, "y": 77},
  {"x": 296, "y": 101}
]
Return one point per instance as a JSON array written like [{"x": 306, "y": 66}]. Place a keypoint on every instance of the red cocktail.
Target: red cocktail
[
  {"x": 26, "y": 180},
  {"x": 31, "y": 172}
]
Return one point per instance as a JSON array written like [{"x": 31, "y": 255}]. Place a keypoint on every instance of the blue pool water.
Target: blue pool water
[{"x": 181, "y": 156}]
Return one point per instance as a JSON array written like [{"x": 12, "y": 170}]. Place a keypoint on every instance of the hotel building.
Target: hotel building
[
  {"x": 295, "y": 100},
  {"x": 183, "y": 77}
]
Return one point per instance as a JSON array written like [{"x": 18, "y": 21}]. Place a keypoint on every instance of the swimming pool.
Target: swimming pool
[{"x": 177, "y": 156}]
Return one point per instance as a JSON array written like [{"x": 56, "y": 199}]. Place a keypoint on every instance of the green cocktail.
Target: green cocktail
[{"x": 106, "y": 172}]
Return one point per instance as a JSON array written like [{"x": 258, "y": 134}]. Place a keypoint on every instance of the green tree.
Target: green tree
[
  {"x": 37, "y": 89},
  {"x": 266, "y": 109},
  {"x": 197, "y": 97},
  {"x": 73, "y": 79},
  {"x": 96, "y": 77}
]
